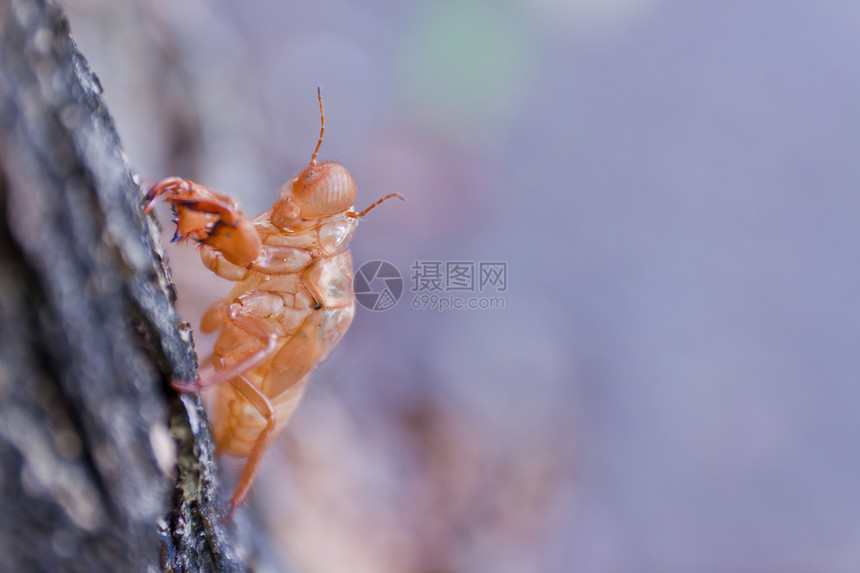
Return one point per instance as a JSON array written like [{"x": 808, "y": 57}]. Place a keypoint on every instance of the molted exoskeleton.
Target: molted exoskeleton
[{"x": 291, "y": 305}]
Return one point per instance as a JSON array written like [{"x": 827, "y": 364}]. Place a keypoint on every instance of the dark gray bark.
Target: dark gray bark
[{"x": 88, "y": 336}]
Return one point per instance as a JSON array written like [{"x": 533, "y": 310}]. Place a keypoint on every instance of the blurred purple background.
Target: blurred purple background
[{"x": 671, "y": 385}]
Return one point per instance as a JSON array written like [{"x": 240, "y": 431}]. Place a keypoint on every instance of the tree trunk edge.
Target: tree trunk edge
[{"x": 89, "y": 336}]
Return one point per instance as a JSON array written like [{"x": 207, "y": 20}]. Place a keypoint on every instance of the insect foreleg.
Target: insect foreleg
[{"x": 210, "y": 218}]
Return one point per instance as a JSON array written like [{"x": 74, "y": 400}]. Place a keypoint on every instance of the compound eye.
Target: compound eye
[{"x": 286, "y": 212}]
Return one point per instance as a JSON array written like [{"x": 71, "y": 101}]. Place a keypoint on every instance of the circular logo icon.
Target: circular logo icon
[{"x": 378, "y": 285}]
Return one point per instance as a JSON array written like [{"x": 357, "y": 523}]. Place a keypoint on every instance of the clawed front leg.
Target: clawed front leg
[{"x": 210, "y": 218}]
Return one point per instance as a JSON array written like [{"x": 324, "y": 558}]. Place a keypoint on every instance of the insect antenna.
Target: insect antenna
[
  {"x": 366, "y": 211},
  {"x": 322, "y": 130}
]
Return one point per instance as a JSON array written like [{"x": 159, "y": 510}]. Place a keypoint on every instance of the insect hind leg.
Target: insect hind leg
[
  {"x": 264, "y": 406},
  {"x": 235, "y": 375},
  {"x": 253, "y": 325}
]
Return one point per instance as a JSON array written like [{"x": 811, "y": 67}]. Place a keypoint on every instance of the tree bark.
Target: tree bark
[{"x": 102, "y": 466}]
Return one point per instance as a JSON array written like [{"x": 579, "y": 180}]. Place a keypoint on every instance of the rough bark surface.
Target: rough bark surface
[{"x": 102, "y": 466}]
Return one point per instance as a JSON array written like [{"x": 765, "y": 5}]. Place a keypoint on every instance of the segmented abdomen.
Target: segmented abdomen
[{"x": 311, "y": 311}]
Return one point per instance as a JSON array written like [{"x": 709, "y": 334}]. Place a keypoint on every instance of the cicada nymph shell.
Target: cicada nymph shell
[{"x": 290, "y": 306}]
